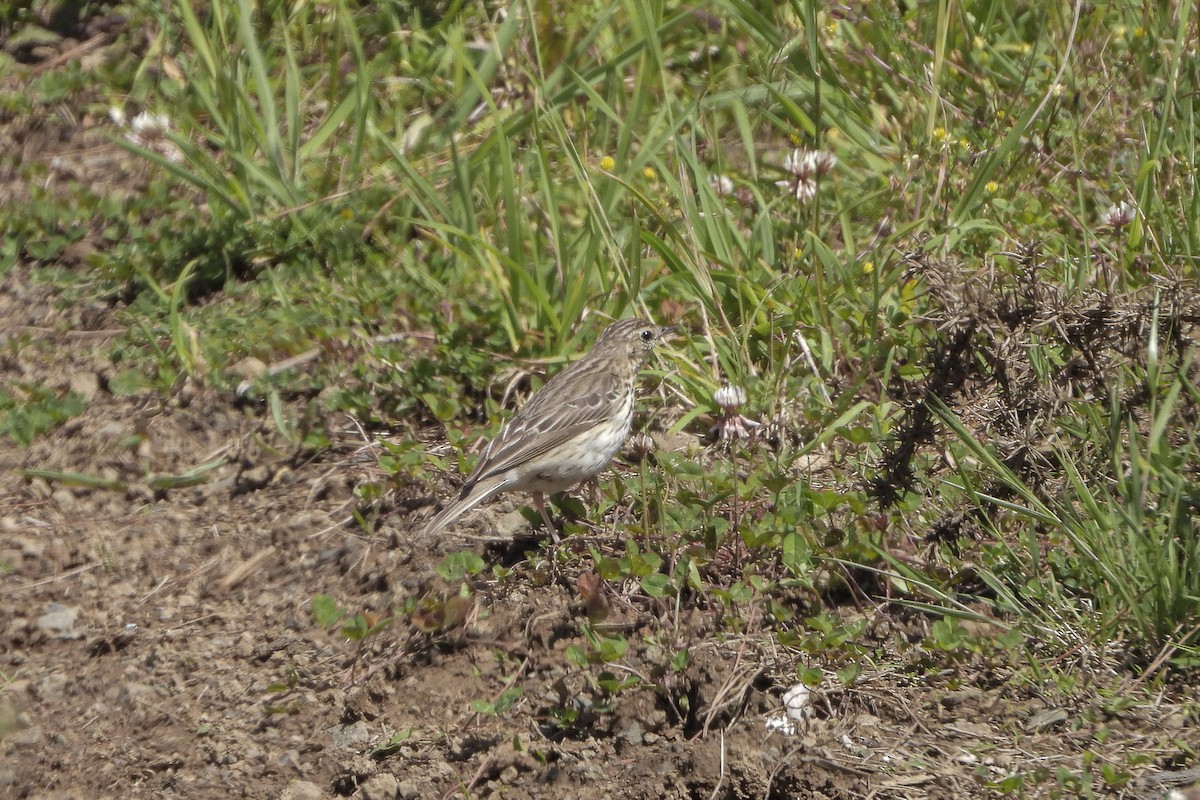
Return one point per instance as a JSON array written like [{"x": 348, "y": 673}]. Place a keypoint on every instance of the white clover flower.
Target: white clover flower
[
  {"x": 731, "y": 425},
  {"x": 721, "y": 185},
  {"x": 149, "y": 131},
  {"x": 1119, "y": 216},
  {"x": 806, "y": 163},
  {"x": 704, "y": 53},
  {"x": 800, "y": 189},
  {"x": 117, "y": 115},
  {"x": 641, "y": 446},
  {"x": 804, "y": 166},
  {"x": 799, "y": 163},
  {"x": 148, "y": 124},
  {"x": 729, "y": 397},
  {"x": 823, "y": 162}
]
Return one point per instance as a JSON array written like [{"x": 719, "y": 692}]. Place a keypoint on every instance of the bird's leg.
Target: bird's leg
[{"x": 539, "y": 502}]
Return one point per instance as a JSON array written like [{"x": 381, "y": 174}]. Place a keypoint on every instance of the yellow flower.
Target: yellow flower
[
  {"x": 607, "y": 163},
  {"x": 940, "y": 133},
  {"x": 1025, "y": 48},
  {"x": 1001, "y": 113},
  {"x": 992, "y": 187},
  {"x": 868, "y": 267},
  {"x": 978, "y": 42},
  {"x": 1139, "y": 32},
  {"x": 649, "y": 174}
]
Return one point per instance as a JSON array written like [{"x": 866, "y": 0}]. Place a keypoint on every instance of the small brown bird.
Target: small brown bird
[{"x": 569, "y": 430}]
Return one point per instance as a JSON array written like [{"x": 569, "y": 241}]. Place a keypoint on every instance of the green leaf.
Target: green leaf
[
  {"x": 658, "y": 585},
  {"x": 325, "y": 610},
  {"x": 457, "y": 566}
]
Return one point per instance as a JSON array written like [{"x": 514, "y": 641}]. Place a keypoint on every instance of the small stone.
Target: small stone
[
  {"x": 632, "y": 733},
  {"x": 113, "y": 430},
  {"x": 407, "y": 790},
  {"x": 63, "y": 499},
  {"x": 27, "y": 737},
  {"x": 350, "y": 737},
  {"x": 291, "y": 759},
  {"x": 380, "y": 787},
  {"x": 1045, "y": 719},
  {"x": 254, "y": 478},
  {"x": 510, "y": 524},
  {"x": 248, "y": 368},
  {"x": 959, "y": 697},
  {"x": 59, "y": 622},
  {"x": 86, "y": 385},
  {"x": 302, "y": 790},
  {"x": 134, "y": 694},
  {"x": 50, "y": 688},
  {"x": 42, "y": 53}
]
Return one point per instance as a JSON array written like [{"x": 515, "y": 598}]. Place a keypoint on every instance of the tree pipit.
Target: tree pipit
[{"x": 569, "y": 430}]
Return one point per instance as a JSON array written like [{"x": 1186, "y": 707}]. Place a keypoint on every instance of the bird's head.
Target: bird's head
[{"x": 636, "y": 337}]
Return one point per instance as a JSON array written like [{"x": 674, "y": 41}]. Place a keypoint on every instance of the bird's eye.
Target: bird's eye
[{"x": 647, "y": 335}]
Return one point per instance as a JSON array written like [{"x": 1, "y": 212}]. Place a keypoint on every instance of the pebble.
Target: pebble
[
  {"x": 59, "y": 621},
  {"x": 134, "y": 693},
  {"x": 961, "y": 696},
  {"x": 113, "y": 430},
  {"x": 349, "y": 737},
  {"x": 632, "y": 733},
  {"x": 50, "y": 688},
  {"x": 63, "y": 499},
  {"x": 86, "y": 385},
  {"x": 302, "y": 790},
  {"x": 380, "y": 787},
  {"x": 248, "y": 368},
  {"x": 292, "y": 759}
]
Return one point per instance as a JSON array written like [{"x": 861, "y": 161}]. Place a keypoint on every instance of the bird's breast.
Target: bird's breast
[{"x": 584, "y": 456}]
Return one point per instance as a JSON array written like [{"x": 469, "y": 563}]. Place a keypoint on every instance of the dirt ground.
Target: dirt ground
[{"x": 158, "y": 642}]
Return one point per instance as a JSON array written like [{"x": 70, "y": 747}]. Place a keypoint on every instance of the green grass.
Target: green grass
[
  {"x": 960, "y": 368},
  {"x": 29, "y": 410}
]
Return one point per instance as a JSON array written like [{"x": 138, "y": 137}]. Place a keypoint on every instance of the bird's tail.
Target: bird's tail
[{"x": 478, "y": 494}]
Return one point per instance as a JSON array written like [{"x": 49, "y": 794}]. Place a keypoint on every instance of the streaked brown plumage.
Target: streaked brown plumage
[{"x": 569, "y": 430}]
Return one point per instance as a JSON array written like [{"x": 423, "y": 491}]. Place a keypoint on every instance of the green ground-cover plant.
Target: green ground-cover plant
[{"x": 29, "y": 410}]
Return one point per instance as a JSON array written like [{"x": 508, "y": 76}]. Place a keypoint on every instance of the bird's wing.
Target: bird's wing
[{"x": 562, "y": 410}]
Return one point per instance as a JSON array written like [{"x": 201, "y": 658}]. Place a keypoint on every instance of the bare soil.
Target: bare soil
[{"x": 158, "y": 642}]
